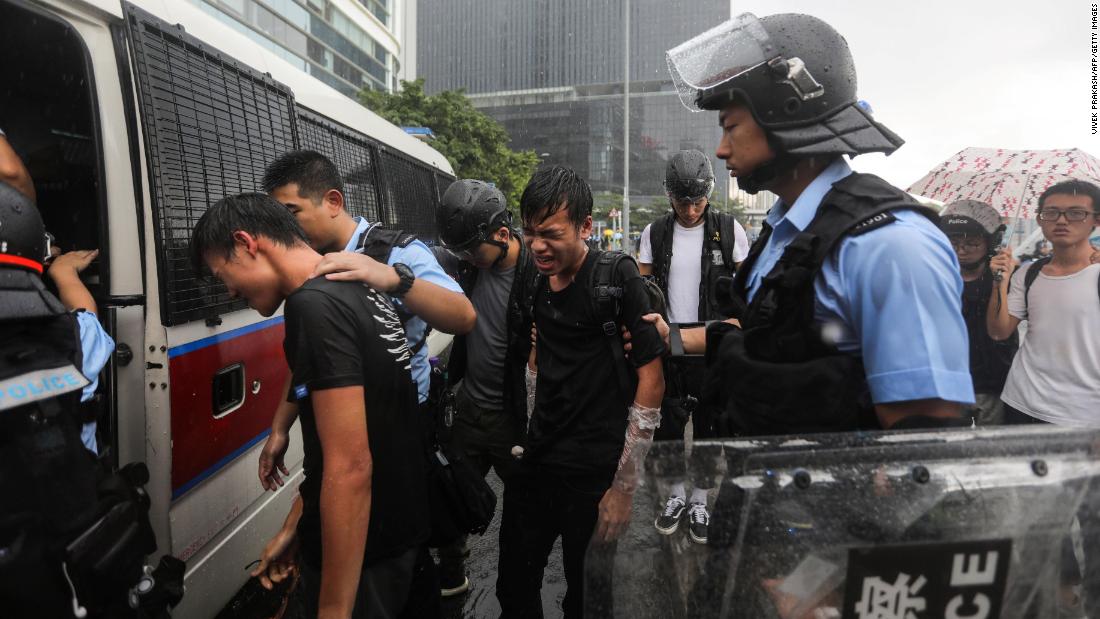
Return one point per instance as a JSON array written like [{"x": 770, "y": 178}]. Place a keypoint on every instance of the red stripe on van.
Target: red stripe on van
[{"x": 199, "y": 441}]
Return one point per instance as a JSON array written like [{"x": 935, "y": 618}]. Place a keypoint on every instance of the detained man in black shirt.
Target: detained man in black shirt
[
  {"x": 588, "y": 433},
  {"x": 360, "y": 520}
]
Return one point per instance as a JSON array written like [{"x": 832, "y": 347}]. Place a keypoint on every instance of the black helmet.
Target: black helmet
[
  {"x": 689, "y": 174},
  {"x": 795, "y": 74},
  {"x": 469, "y": 213},
  {"x": 23, "y": 249}
]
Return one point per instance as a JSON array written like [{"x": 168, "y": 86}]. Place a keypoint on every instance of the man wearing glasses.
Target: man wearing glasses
[
  {"x": 1054, "y": 376},
  {"x": 975, "y": 231},
  {"x": 687, "y": 251}
]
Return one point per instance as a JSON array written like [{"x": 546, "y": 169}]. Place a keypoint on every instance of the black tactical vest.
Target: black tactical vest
[
  {"x": 716, "y": 262},
  {"x": 775, "y": 374}
]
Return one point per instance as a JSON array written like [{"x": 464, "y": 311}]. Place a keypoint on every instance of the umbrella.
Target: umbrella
[{"x": 1009, "y": 180}]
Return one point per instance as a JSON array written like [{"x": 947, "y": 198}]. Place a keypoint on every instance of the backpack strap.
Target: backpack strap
[
  {"x": 607, "y": 294},
  {"x": 727, "y": 238},
  {"x": 1031, "y": 275},
  {"x": 378, "y": 241}
]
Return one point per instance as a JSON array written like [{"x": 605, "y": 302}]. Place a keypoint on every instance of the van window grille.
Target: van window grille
[
  {"x": 353, "y": 153},
  {"x": 211, "y": 125},
  {"x": 411, "y": 194}
]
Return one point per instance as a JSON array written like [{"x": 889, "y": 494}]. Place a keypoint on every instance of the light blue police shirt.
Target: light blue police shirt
[
  {"x": 96, "y": 347},
  {"x": 420, "y": 259},
  {"x": 894, "y": 294}
]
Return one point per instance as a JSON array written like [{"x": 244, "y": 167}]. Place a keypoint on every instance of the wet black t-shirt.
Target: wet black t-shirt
[
  {"x": 990, "y": 360},
  {"x": 341, "y": 334},
  {"x": 580, "y": 409}
]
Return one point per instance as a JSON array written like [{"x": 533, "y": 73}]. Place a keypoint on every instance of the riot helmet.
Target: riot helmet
[
  {"x": 972, "y": 218},
  {"x": 689, "y": 175},
  {"x": 793, "y": 72},
  {"x": 469, "y": 213},
  {"x": 23, "y": 249}
]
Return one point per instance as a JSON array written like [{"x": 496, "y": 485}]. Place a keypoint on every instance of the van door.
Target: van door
[{"x": 210, "y": 126}]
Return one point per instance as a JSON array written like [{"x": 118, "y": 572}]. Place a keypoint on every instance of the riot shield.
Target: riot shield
[{"x": 907, "y": 525}]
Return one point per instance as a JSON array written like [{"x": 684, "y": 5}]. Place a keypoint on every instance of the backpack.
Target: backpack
[
  {"x": 606, "y": 290},
  {"x": 1032, "y": 274},
  {"x": 378, "y": 241}
]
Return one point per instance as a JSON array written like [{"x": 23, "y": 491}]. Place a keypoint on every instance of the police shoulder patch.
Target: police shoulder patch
[{"x": 873, "y": 222}]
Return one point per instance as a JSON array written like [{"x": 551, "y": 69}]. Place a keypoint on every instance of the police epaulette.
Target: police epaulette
[{"x": 873, "y": 222}]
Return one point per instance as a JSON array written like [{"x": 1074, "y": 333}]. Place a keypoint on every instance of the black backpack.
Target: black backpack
[
  {"x": 378, "y": 241},
  {"x": 1032, "y": 274},
  {"x": 606, "y": 290}
]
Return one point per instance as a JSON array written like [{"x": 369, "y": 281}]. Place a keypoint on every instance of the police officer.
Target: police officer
[
  {"x": 55, "y": 529},
  {"x": 975, "y": 230},
  {"x": 689, "y": 252},
  {"x": 491, "y": 405},
  {"x": 849, "y": 300}
]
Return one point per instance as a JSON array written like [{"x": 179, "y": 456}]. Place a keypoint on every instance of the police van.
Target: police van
[{"x": 133, "y": 117}]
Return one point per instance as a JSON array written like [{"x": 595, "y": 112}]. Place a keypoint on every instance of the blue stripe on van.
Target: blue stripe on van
[
  {"x": 178, "y": 492},
  {"x": 183, "y": 349}
]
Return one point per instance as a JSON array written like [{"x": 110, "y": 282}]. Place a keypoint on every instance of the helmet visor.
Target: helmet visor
[
  {"x": 690, "y": 188},
  {"x": 718, "y": 56}
]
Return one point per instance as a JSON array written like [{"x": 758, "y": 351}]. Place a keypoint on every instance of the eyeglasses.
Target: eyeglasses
[
  {"x": 1072, "y": 215},
  {"x": 966, "y": 242}
]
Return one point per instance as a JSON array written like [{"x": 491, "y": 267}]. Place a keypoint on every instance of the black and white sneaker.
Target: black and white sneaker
[
  {"x": 669, "y": 520},
  {"x": 698, "y": 519}
]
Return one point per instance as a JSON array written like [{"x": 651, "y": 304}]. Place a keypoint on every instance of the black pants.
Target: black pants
[
  {"x": 684, "y": 383},
  {"x": 486, "y": 438},
  {"x": 402, "y": 587},
  {"x": 540, "y": 507}
]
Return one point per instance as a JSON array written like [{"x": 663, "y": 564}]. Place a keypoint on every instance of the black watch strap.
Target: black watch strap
[{"x": 406, "y": 279}]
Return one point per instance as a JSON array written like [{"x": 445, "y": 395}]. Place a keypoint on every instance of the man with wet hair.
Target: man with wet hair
[
  {"x": 975, "y": 231},
  {"x": 589, "y": 431},
  {"x": 309, "y": 185},
  {"x": 360, "y": 518}
]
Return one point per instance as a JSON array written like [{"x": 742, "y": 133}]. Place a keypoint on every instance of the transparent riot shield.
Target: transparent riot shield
[{"x": 905, "y": 525}]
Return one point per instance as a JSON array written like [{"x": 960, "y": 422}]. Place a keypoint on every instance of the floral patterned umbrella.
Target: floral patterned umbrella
[{"x": 1010, "y": 180}]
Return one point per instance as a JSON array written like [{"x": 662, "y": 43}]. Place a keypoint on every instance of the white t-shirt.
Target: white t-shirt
[
  {"x": 684, "y": 273},
  {"x": 1056, "y": 373}
]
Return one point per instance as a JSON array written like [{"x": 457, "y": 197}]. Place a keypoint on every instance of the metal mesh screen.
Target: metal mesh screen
[
  {"x": 411, "y": 194},
  {"x": 211, "y": 126},
  {"x": 353, "y": 154},
  {"x": 442, "y": 182}
]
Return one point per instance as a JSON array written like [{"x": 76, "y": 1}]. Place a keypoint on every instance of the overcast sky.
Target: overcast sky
[{"x": 945, "y": 75}]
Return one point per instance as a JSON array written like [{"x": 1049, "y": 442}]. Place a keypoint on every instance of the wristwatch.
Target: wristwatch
[{"x": 406, "y": 276}]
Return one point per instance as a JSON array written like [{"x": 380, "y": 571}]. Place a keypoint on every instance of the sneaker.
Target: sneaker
[
  {"x": 669, "y": 520},
  {"x": 698, "y": 519},
  {"x": 456, "y": 587}
]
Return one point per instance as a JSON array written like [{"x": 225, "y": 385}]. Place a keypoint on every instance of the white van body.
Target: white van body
[{"x": 185, "y": 110}]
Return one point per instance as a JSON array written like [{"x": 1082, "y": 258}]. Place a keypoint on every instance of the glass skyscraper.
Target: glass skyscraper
[
  {"x": 347, "y": 44},
  {"x": 551, "y": 72}
]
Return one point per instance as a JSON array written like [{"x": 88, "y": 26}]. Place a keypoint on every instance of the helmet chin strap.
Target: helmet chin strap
[
  {"x": 503, "y": 251},
  {"x": 766, "y": 174}
]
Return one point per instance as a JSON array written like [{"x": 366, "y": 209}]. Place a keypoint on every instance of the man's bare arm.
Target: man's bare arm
[
  {"x": 13, "y": 172},
  {"x": 65, "y": 273},
  {"x": 445, "y": 310},
  {"x": 274, "y": 450},
  {"x": 645, "y": 268},
  {"x": 998, "y": 322},
  {"x": 893, "y": 412},
  {"x": 345, "y": 495}
]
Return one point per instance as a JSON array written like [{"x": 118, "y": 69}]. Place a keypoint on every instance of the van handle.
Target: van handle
[{"x": 228, "y": 389}]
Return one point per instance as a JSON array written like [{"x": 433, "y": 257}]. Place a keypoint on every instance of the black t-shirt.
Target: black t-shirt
[
  {"x": 341, "y": 334},
  {"x": 990, "y": 360},
  {"x": 580, "y": 409}
]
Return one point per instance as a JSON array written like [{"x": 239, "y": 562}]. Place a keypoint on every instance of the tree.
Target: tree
[{"x": 475, "y": 144}]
